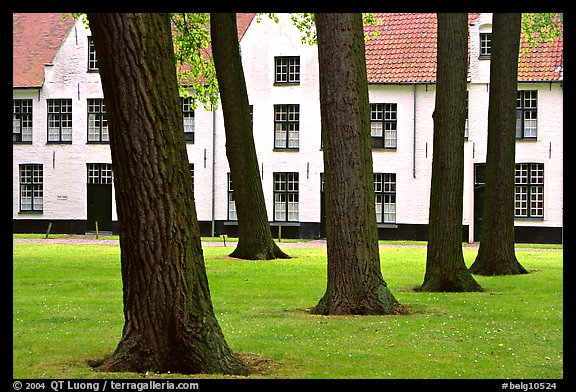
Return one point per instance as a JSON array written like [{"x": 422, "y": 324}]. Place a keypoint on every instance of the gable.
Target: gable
[{"x": 35, "y": 40}]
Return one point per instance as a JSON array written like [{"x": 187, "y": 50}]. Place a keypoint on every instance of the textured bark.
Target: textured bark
[
  {"x": 355, "y": 284},
  {"x": 445, "y": 267},
  {"x": 496, "y": 255},
  {"x": 169, "y": 323},
  {"x": 254, "y": 236}
]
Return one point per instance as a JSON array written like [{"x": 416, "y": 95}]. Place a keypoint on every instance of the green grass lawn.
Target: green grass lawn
[{"x": 67, "y": 303}]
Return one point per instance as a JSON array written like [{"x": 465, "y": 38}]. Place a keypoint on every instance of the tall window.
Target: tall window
[
  {"x": 466, "y": 123},
  {"x": 286, "y": 197},
  {"x": 188, "y": 118},
  {"x": 485, "y": 44},
  {"x": 31, "y": 188},
  {"x": 383, "y": 125},
  {"x": 192, "y": 174},
  {"x": 22, "y": 121},
  {"x": 60, "y": 120},
  {"x": 529, "y": 190},
  {"x": 527, "y": 114},
  {"x": 385, "y": 197},
  {"x": 92, "y": 61},
  {"x": 97, "y": 122},
  {"x": 286, "y": 126},
  {"x": 287, "y": 69},
  {"x": 99, "y": 173},
  {"x": 231, "y": 203}
]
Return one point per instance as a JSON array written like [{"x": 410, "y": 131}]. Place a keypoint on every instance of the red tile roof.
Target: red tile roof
[
  {"x": 36, "y": 39},
  {"x": 545, "y": 62},
  {"x": 405, "y": 52},
  {"x": 404, "y": 49}
]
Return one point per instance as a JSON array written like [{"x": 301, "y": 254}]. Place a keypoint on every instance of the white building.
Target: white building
[{"x": 61, "y": 157}]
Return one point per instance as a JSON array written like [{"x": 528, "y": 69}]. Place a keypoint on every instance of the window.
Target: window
[
  {"x": 97, "y": 122},
  {"x": 485, "y": 44},
  {"x": 383, "y": 125},
  {"x": 60, "y": 120},
  {"x": 287, "y": 70},
  {"x": 385, "y": 197},
  {"x": 527, "y": 114},
  {"x": 231, "y": 203},
  {"x": 529, "y": 190},
  {"x": 192, "y": 174},
  {"x": 286, "y": 126},
  {"x": 31, "y": 188},
  {"x": 99, "y": 173},
  {"x": 466, "y": 123},
  {"x": 92, "y": 61},
  {"x": 188, "y": 118},
  {"x": 286, "y": 197},
  {"x": 22, "y": 121}
]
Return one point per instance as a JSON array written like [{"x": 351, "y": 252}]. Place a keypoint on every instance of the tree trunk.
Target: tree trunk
[
  {"x": 496, "y": 255},
  {"x": 254, "y": 236},
  {"x": 355, "y": 284},
  {"x": 445, "y": 267},
  {"x": 169, "y": 323}
]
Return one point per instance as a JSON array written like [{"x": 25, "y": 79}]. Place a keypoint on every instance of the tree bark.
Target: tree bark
[
  {"x": 169, "y": 322},
  {"x": 355, "y": 284},
  {"x": 496, "y": 254},
  {"x": 445, "y": 267},
  {"x": 254, "y": 236}
]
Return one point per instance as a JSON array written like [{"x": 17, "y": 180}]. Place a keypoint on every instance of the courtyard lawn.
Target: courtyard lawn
[{"x": 67, "y": 309}]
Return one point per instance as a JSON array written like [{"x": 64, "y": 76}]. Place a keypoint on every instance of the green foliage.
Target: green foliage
[
  {"x": 541, "y": 27},
  {"x": 195, "y": 65},
  {"x": 67, "y": 309}
]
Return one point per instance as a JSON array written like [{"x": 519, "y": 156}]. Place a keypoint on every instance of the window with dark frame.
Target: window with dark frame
[
  {"x": 59, "y": 120},
  {"x": 97, "y": 122},
  {"x": 92, "y": 61},
  {"x": 188, "y": 119},
  {"x": 529, "y": 190},
  {"x": 232, "y": 216},
  {"x": 192, "y": 174},
  {"x": 31, "y": 188},
  {"x": 383, "y": 125},
  {"x": 99, "y": 173},
  {"x": 22, "y": 121},
  {"x": 287, "y": 70},
  {"x": 286, "y": 197},
  {"x": 485, "y": 45},
  {"x": 385, "y": 197},
  {"x": 527, "y": 114},
  {"x": 286, "y": 126},
  {"x": 466, "y": 123}
]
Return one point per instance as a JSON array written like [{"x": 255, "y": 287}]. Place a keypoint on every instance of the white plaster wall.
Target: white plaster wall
[
  {"x": 65, "y": 164},
  {"x": 261, "y": 43}
]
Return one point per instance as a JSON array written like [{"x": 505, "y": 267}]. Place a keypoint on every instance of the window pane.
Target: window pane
[{"x": 280, "y": 206}]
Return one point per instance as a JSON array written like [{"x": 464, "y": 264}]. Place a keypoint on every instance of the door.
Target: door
[
  {"x": 479, "y": 189},
  {"x": 99, "y": 197}
]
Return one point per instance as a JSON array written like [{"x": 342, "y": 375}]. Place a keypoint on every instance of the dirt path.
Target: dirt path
[{"x": 90, "y": 239}]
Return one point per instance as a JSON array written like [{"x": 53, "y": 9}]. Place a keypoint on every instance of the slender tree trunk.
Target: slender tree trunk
[
  {"x": 496, "y": 255},
  {"x": 169, "y": 323},
  {"x": 445, "y": 267},
  {"x": 254, "y": 236},
  {"x": 355, "y": 284}
]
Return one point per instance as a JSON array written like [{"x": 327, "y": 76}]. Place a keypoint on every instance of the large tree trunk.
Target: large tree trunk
[
  {"x": 355, "y": 284},
  {"x": 169, "y": 323},
  {"x": 445, "y": 267},
  {"x": 254, "y": 236},
  {"x": 496, "y": 255}
]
